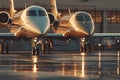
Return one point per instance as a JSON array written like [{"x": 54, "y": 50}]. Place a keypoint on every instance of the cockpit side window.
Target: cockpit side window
[
  {"x": 31, "y": 13},
  {"x": 41, "y": 13}
]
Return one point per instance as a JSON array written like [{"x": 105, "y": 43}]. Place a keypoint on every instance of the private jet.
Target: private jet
[
  {"x": 78, "y": 25},
  {"x": 41, "y": 27},
  {"x": 32, "y": 22}
]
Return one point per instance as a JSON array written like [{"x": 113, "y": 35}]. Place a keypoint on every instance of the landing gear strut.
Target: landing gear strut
[
  {"x": 82, "y": 45},
  {"x": 35, "y": 47},
  {"x": 85, "y": 47},
  {"x": 4, "y": 48},
  {"x": 41, "y": 46}
]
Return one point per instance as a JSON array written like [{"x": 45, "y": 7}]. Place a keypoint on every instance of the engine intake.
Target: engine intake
[
  {"x": 52, "y": 18},
  {"x": 53, "y": 21},
  {"x": 4, "y": 17}
]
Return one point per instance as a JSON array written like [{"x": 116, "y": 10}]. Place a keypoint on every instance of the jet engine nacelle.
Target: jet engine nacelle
[
  {"x": 52, "y": 18},
  {"x": 53, "y": 21},
  {"x": 4, "y": 17}
]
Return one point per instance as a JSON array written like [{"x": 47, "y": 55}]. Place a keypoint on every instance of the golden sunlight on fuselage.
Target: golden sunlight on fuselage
[{"x": 76, "y": 69}]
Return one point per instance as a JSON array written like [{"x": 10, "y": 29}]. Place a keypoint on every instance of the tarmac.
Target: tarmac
[{"x": 61, "y": 65}]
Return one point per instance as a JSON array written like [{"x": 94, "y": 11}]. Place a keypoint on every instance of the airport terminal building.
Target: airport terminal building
[{"x": 106, "y": 14}]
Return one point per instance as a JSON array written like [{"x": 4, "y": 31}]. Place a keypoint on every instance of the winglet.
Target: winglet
[{"x": 12, "y": 10}]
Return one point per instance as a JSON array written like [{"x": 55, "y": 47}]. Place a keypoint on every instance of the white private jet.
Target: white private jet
[
  {"x": 32, "y": 22},
  {"x": 78, "y": 25}
]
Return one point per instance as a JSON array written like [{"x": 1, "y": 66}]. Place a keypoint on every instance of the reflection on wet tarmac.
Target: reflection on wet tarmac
[
  {"x": 63, "y": 69},
  {"x": 35, "y": 61},
  {"x": 99, "y": 63},
  {"x": 83, "y": 65},
  {"x": 76, "y": 69},
  {"x": 95, "y": 65},
  {"x": 118, "y": 63}
]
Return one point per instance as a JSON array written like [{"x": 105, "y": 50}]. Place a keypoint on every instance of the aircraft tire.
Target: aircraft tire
[
  {"x": 7, "y": 48},
  {"x": 33, "y": 51},
  {"x": 1, "y": 48},
  {"x": 43, "y": 48},
  {"x": 48, "y": 48},
  {"x": 38, "y": 51}
]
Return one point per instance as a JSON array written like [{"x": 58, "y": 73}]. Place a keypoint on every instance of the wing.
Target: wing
[
  {"x": 106, "y": 35},
  {"x": 105, "y": 38},
  {"x": 7, "y": 35}
]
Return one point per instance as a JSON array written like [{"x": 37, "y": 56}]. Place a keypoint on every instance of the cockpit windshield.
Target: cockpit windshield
[
  {"x": 82, "y": 17},
  {"x": 87, "y": 17},
  {"x": 31, "y": 13},
  {"x": 41, "y": 13},
  {"x": 79, "y": 17},
  {"x": 36, "y": 13}
]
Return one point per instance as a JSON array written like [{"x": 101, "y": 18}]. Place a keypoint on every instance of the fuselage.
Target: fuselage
[
  {"x": 33, "y": 22},
  {"x": 79, "y": 24}
]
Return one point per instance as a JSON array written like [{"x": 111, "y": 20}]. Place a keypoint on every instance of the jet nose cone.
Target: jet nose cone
[
  {"x": 85, "y": 22},
  {"x": 89, "y": 27},
  {"x": 40, "y": 25},
  {"x": 42, "y": 28}
]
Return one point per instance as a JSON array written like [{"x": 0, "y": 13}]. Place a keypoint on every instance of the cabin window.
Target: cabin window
[
  {"x": 41, "y": 13},
  {"x": 31, "y": 13}
]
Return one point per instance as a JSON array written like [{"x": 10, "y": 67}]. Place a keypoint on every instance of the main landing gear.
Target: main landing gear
[
  {"x": 41, "y": 46},
  {"x": 4, "y": 47}
]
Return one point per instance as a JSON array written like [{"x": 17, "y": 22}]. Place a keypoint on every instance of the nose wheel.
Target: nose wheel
[
  {"x": 41, "y": 47},
  {"x": 84, "y": 47},
  {"x": 35, "y": 50},
  {"x": 4, "y": 48}
]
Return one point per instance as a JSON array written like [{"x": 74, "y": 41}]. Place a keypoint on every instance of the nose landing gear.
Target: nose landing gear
[
  {"x": 41, "y": 46},
  {"x": 84, "y": 45},
  {"x": 4, "y": 47}
]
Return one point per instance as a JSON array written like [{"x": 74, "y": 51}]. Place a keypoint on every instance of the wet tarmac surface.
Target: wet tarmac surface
[{"x": 60, "y": 65}]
